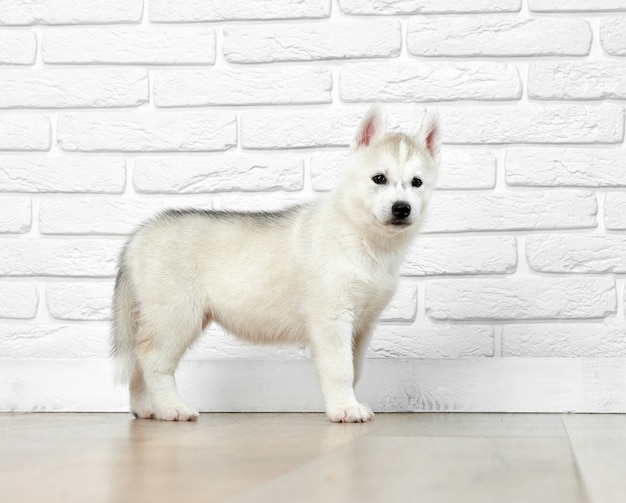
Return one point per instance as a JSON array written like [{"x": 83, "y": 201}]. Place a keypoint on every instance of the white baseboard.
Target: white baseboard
[{"x": 473, "y": 385}]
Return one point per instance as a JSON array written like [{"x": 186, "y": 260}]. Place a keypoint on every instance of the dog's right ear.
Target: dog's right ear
[{"x": 371, "y": 128}]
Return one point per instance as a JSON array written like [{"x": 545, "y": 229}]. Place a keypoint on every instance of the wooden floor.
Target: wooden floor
[{"x": 304, "y": 458}]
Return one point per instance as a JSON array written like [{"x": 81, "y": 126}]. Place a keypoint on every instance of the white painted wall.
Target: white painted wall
[{"x": 513, "y": 299}]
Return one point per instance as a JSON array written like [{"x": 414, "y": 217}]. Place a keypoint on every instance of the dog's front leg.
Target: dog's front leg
[
  {"x": 359, "y": 350},
  {"x": 332, "y": 349}
]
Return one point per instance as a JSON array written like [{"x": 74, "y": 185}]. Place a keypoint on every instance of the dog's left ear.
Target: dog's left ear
[
  {"x": 429, "y": 135},
  {"x": 371, "y": 128}
]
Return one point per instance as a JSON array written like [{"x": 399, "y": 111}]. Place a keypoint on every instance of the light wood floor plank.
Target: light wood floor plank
[
  {"x": 433, "y": 469},
  {"x": 599, "y": 446}
]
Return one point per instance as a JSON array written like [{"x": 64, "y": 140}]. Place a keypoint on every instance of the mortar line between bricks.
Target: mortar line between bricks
[
  {"x": 497, "y": 341},
  {"x": 39, "y": 64},
  {"x": 620, "y": 286},
  {"x": 145, "y": 13},
  {"x": 129, "y": 187},
  {"x": 54, "y": 128},
  {"x": 501, "y": 185},
  {"x": 596, "y": 52},
  {"x": 524, "y": 9},
  {"x": 600, "y": 215},
  {"x": 420, "y": 313},
  {"x": 404, "y": 33},
  {"x": 34, "y": 231},
  {"x": 523, "y": 268},
  {"x": 524, "y": 69},
  {"x": 42, "y": 305}
]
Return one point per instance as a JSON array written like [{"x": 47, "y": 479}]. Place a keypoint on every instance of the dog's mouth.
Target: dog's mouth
[{"x": 400, "y": 222}]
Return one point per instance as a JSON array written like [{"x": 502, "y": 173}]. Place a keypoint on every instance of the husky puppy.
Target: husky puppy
[{"x": 317, "y": 274}]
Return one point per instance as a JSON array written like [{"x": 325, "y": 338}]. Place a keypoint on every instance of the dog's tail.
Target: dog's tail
[{"x": 124, "y": 324}]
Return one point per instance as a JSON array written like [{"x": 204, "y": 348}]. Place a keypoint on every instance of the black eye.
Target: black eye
[
  {"x": 416, "y": 182},
  {"x": 379, "y": 179}
]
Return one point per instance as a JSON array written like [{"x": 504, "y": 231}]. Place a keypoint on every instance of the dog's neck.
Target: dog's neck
[{"x": 376, "y": 240}]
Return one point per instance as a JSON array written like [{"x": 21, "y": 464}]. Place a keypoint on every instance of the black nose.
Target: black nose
[{"x": 401, "y": 209}]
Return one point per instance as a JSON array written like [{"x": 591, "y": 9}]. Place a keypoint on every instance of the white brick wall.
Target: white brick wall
[
  {"x": 33, "y": 12},
  {"x": 112, "y": 110},
  {"x": 305, "y": 41},
  {"x": 73, "y": 88},
  {"x": 506, "y": 35}
]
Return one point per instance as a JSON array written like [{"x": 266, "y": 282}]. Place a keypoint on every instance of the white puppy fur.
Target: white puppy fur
[{"x": 318, "y": 274}]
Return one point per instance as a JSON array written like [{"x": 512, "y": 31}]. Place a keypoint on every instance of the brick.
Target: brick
[
  {"x": 129, "y": 45},
  {"x": 59, "y": 257},
  {"x": 460, "y": 169},
  {"x": 467, "y": 169},
  {"x": 194, "y": 11},
  {"x": 533, "y": 124},
  {"x": 98, "y": 215},
  {"x": 15, "y": 214},
  {"x": 298, "y": 129},
  {"x": 435, "y": 255},
  {"x": 573, "y": 167},
  {"x": 326, "y": 169},
  {"x": 520, "y": 298},
  {"x": 569, "y": 253},
  {"x": 312, "y": 41},
  {"x": 415, "y": 82},
  {"x": 576, "y": 5},
  {"x": 248, "y": 86},
  {"x": 510, "y": 211},
  {"x": 18, "y": 300},
  {"x": 18, "y": 47},
  {"x": 577, "y": 80},
  {"x": 80, "y": 301},
  {"x": 73, "y": 88},
  {"x": 147, "y": 132},
  {"x": 615, "y": 211},
  {"x": 191, "y": 175},
  {"x": 448, "y": 341},
  {"x": 577, "y": 340},
  {"x": 62, "y": 174},
  {"x": 28, "y": 12},
  {"x": 25, "y": 132},
  {"x": 403, "y": 305},
  {"x": 506, "y": 35},
  {"x": 38, "y": 340},
  {"x": 393, "y": 7},
  {"x": 613, "y": 35}
]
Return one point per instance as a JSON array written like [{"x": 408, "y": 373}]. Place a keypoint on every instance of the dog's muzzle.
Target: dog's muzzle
[{"x": 400, "y": 212}]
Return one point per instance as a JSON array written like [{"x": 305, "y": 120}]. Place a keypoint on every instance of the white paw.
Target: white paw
[
  {"x": 356, "y": 413},
  {"x": 179, "y": 412},
  {"x": 166, "y": 412}
]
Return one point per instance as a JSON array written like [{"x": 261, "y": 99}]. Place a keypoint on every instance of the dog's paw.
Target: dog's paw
[
  {"x": 176, "y": 413},
  {"x": 356, "y": 413}
]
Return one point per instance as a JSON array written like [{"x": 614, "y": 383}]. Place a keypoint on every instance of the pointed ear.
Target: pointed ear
[
  {"x": 371, "y": 128},
  {"x": 429, "y": 135}
]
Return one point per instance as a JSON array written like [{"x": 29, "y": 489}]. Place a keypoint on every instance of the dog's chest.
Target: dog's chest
[{"x": 372, "y": 284}]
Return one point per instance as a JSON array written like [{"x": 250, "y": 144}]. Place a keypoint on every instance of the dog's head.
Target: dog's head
[{"x": 390, "y": 176}]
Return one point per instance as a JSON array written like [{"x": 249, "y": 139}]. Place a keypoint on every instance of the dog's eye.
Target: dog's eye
[
  {"x": 416, "y": 182},
  {"x": 379, "y": 179}
]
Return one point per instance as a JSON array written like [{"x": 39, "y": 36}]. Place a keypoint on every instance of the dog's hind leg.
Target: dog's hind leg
[
  {"x": 158, "y": 352},
  {"x": 140, "y": 403}
]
